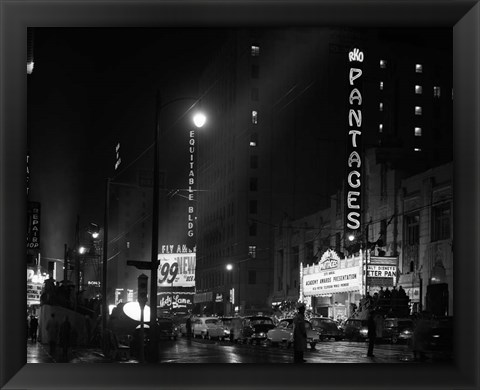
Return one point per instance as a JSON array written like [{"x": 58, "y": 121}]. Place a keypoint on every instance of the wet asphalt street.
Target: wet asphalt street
[{"x": 213, "y": 351}]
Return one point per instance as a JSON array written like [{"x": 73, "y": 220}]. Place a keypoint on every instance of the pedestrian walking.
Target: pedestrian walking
[
  {"x": 52, "y": 331},
  {"x": 64, "y": 336},
  {"x": 372, "y": 333},
  {"x": 188, "y": 327},
  {"x": 88, "y": 328},
  {"x": 419, "y": 338},
  {"x": 33, "y": 328},
  {"x": 299, "y": 335}
]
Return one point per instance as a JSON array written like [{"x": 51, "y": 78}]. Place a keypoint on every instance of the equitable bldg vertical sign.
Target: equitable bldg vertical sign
[{"x": 353, "y": 190}]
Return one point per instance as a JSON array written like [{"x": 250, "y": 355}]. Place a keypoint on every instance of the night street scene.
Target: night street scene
[{"x": 250, "y": 195}]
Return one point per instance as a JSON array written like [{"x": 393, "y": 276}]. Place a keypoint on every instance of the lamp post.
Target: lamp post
[{"x": 199, "y": 121}]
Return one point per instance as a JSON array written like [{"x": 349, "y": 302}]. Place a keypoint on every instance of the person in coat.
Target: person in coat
[
  {"x": 64, "y": 336},
  {"x": 299, "y": 335},
  {"x": 188, "y": 326},
  {"x": 52, "y": 331},
  {"x": 33, "y": 328},
  {"x": 372, "y": 333}
]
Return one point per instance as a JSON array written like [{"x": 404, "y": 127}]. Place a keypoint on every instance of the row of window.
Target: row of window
[{"x": 418, "y": 67}]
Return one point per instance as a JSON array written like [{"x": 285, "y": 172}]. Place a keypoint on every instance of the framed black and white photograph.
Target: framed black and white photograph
[{"x": 270, "y": 184}]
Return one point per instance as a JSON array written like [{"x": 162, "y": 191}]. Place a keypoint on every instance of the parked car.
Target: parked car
[
  {"x": 207, "y": 328},
  {"x": 439, "y": 338},
  {"x": 397, "y": 330},
  {"x": 283, "y": 334},
  {"x": 255, "y": 328},
  {"x": 355, "y": 329},
  {"x": 166, "y": 328},
  {"x": 328, "y": 327}
]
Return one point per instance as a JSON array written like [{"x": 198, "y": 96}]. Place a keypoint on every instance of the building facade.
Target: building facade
[{"x": 275, "y": 147}]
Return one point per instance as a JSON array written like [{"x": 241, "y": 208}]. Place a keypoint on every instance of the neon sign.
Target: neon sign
[
  {"x": 191, "y": 183},
  {"x": 354, "y": 144}
]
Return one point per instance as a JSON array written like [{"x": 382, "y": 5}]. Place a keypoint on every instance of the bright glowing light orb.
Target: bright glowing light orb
[{"x": 132, "y": 310}]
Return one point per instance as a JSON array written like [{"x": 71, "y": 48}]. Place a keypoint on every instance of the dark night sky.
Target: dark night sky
[{"x": 90, "y": 89}]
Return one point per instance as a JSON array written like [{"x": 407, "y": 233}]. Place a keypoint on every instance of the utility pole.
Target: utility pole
[
  {"x": 153, "y": 355},
  {"x": 104, "y": 263}
]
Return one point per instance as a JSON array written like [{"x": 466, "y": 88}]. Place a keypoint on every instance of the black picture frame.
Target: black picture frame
[{"x": 16, "y": 16}]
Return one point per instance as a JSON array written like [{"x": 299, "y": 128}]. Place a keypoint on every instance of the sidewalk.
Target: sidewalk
[{"x": 39, "y": 353}]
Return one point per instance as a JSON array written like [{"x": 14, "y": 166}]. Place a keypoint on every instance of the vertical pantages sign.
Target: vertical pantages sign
[{"x": 353, "y": 186}]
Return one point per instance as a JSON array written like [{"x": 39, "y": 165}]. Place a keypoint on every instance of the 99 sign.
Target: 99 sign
[{"x": 168, "y": 273}]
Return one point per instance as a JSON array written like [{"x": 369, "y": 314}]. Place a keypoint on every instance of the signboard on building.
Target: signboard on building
[
  {"x": 33, "y": 225},
  {"x": 381, "y": 275},
  {"x": 34, "y": 290},
  {"x": 176, "y": 301},
  {"x": 176, "y": 267},
  {"x": 332, "y": 281},
  {"x": 353, "y": 185}
]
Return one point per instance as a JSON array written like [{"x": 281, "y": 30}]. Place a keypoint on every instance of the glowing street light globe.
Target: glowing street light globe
[
  {"x": 199, "y": 119},
  {"x": 229, "y": 267},
  {"x": 132, "y": 310}
]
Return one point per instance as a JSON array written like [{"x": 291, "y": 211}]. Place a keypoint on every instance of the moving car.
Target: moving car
[
  {"x": 207, "y": 328},
  {"x": 328, "y": 327},
  {"x": 283, "y": 334},
  {"x": 226, "y": 324},
  {"x": 355, "y": 329},
  {"x": 397, "y": 330},
  {"x": 255, "y": 328}
]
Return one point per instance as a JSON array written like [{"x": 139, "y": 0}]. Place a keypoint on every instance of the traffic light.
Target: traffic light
[{"x": 142, "y": 289}]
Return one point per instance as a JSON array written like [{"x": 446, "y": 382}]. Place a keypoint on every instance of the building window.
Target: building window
[
  {"x": 254, "y": 117},
  {"x": 383, "y": 64},
  {"x": 253, "y": 207},
  {"x": 441, "y": 222},
  {"x": 383, "y": 181},
  {"x": 380, "y": 106},
  {"x": 255, "y": 94},
  {"x": 412, "y": 229},
  {"x": 254, "y": 162},
  {"x": 380, "y": 128},
  {"x": 338, "y": 239},
  {"x": 252, "y": 251},
  {"x": 280, "y": 271},
  {"x": 255, "y": 71},
  {"x": 252, "y": 230},
  {"x": 254, "y": 140},
  {"x": 252, "y": 276},
  {"x": 418, "y": 89},
  {"x": 381, "y": 85},
  {"x": 295, "y": 258},
  {"x": 418, "y": 110},
  {"x": 255, "y": 50},
  {"x": 309, "y": 259},
  {"x": 418, "y": 68},
  {"x": 436, "y": 92},
  {"x": 418, "y": 131},
  {"x": 253, "y": 184},
  {"x": 383, "y": 233}
]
